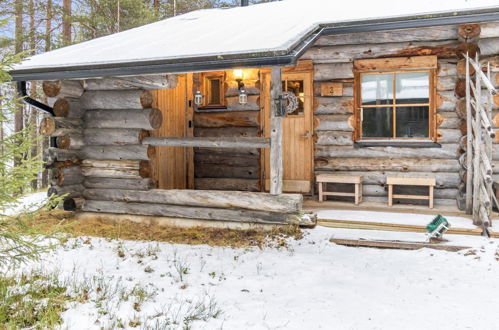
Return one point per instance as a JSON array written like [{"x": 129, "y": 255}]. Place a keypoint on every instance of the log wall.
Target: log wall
[
  {"x": 335, "y": 150},
  {"x": 228, "y": 169}
]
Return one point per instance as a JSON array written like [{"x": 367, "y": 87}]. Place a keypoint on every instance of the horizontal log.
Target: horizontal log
[
  {"x": 227, "y": 184},
  {"x": 334, "y": 138},
  {"x": 448, "y": 135},
  {"x": 387, "y": 164},
  {"x": 446, "y": 101},
  {"x": 229, "y": 151},
  {"x": 116, "y": 168},
  {"x": 53, "y": 155},
  {"x": 62, "y": 88},
  {"x": 436, "y": 201},
  {"x": 447, "y": 67},
  {"x": 65, "y": 176},
  {"x": 119, "y": 183},
  {"x": 75, "y": 190},
  {"x": 347, "y": 88},
  {"x": 227, "y": 159},
  {"x": 222, "y": 171},
  {"x": 49, "y": 125},
  {"x": 227, "y": 119},
  {"x": 227, "y": 132},
  {"x": 119, "y": 99},
  {"x": 489, "y": 46},
  {"x": 253, "y": 103},
  {"x": 333, "y": 105},
  {"x": 331, "y": 71},
  {"x": 148, "y": 82},
  {"x": 284, "y": 203},
  {"x": 447, "y": 151},
  {"x": 446, "y": 83},
  {"x": 114, "y": 136},
  {"x": 345, "y": 53},
  {"x": 176, "y": 211},
  {"x": 148, "y": 119},
  {"x": 208, "y": 142},
  {"x": 68, "y": 107},
  {"x": 444, "y": 179},
  {"x": 445, "y": 32},
  {"x": 489, "y": 30},
  {"x": 334, "y": 123},
  {"x": 70, "y": 141},
  {"x": 128, "y": 152}
]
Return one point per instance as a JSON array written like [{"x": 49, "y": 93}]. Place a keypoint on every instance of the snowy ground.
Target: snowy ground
[{"x": 314, "y": 284}]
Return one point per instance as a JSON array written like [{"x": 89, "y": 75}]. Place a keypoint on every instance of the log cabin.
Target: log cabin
[{"x": 230, "y": 114}]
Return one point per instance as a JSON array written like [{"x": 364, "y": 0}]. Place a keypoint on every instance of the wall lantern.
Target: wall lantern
[
  {"x": 198, "y": 98},
  {"x": 239, "y": 76}
]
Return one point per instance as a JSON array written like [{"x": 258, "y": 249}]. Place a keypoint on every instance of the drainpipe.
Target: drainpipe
[{"x": 23, "y": 94}]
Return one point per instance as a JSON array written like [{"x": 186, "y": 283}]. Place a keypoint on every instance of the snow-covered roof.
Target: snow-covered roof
[{"x": 269, "y": 30}]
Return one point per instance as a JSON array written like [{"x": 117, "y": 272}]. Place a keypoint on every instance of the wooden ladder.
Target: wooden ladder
[{"x": 480, "y": 135}]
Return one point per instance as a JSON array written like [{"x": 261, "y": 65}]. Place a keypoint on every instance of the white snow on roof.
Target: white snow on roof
[{"x": 274, "y": 26}]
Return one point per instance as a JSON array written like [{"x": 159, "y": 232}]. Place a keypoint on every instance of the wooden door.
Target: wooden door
[
  {"x": 297, "y": 139},
  {"x": 169, "y": 168}
]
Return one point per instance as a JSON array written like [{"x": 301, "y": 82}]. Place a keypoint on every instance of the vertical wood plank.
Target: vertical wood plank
[
  {"x": 390, "y": 195},
  {"x": 275, "y": 133}
]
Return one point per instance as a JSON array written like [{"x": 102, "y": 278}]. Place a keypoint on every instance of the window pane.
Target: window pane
[
  {"x": 377, "y": 89},
  {"x": 377, "y": 123},
  {"x": 412, "y": 122},
  {"x": 215, "y": 91},
  {"x": 296, "y": 87},
  {"x": 412, "y": 88}
]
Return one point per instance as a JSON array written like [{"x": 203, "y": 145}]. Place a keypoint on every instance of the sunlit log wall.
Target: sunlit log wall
[
  {"x": 333, "y": 58},
  {"x": 229, "y": 169}
]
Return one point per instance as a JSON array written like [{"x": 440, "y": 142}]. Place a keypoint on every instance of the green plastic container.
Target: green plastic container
[{"x": 437, "y": 226}]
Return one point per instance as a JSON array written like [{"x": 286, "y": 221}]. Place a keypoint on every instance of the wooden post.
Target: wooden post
[
  {"x": 469, "y": 143},
  {"x": 476, "y": 148},
  {"x": 275, "y": 133}
]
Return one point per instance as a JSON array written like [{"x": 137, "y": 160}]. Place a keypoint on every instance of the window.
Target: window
[
  {"x": 395, "y": 105},
  {"x": 296, "y": 87},
  {"x": 213, "y": 86}
]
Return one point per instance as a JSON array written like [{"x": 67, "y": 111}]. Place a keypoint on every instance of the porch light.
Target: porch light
[
  {"x": 243, "y": 97},
  {"x": 239, "y": 76},
  {"x": 198, "y": 98}
]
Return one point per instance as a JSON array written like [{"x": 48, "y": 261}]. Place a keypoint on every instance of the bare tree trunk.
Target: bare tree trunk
[
  {"x": 48, "y": 46},
  {"x": 66, "y": 22},
  {"x": 33, "y": 113},
  {"x": 18, "y": 117}
]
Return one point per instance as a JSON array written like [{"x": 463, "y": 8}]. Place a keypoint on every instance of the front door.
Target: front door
[{"x": 297, "y": 136}]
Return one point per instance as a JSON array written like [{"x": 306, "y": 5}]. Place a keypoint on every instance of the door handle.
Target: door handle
[{"x": 308, "y": 135}]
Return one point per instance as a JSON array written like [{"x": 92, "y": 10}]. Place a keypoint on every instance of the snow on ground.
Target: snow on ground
[
  {"x": 314, "y": 284},
  {"x": 392, "y": 217},
  {"x": 30, "y": 202}
]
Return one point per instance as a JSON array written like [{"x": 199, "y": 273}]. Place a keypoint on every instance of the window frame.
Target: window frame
[
  {"x": 207, "y": 78},
  {"x": 391, "y": 69}
]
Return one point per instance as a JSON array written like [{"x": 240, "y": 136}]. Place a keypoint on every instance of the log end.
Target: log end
[
  {"x": 51, "y": 88},
  {"x": 151, "y": 152},
  {"x": 143, "y": 134},
  {"x": 61, "y": 107},
  {"x": 47, "y": 126},
  {"x": 155, "y": 118},
  {"x": 144, "y": 169},
  {"x": 146, "y": 99},
  {"x": 63, "y": 142}
]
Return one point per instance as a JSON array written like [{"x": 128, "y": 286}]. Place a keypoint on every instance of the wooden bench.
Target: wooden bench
[
  {"x": 331, "y": 178},
  {"x": 408, "y": 181}
]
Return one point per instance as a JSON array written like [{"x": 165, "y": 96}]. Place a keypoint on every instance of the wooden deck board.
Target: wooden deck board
[{"x": 396, "y": 244}]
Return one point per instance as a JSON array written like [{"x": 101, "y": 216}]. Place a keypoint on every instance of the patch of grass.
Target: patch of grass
[
  {"x": 64, "y": 222},
  {"x": 31, "y": 301}
]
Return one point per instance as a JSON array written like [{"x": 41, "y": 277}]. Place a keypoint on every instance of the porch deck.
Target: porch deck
[{"x": 401, "y": 218}]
